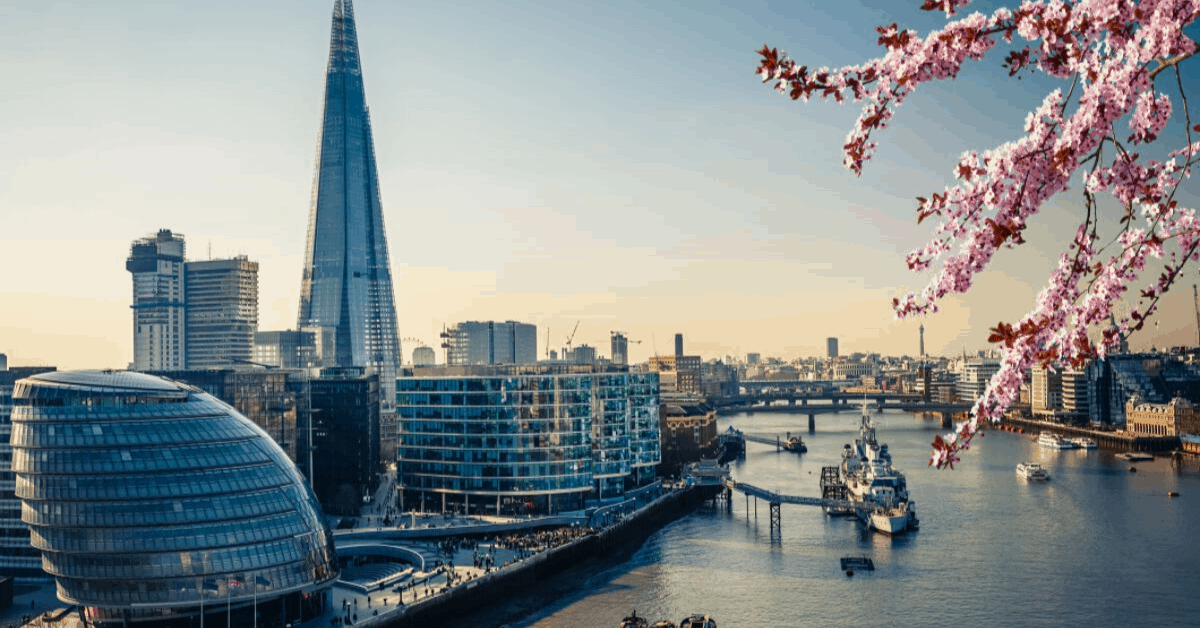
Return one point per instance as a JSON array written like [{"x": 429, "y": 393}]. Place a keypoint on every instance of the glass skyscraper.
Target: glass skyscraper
[{"x": 347, "y": 284}]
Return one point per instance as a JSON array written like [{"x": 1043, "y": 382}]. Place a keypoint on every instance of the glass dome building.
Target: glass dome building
[{"x": 153, "y": 502}]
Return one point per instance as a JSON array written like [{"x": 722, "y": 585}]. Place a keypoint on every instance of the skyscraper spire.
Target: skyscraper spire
[{"x": 346, "y": 290}]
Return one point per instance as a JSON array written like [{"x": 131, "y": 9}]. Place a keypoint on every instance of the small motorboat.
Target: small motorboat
[
  {"x": 698, "y": 621},
  {"x": 633, "y": 621}
]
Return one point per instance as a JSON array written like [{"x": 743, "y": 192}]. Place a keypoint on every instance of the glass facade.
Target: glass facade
[
  {"x": 346, "y": 289},
  {"x": 142, "y": 493},
  {"x": 525, "y": 442}
]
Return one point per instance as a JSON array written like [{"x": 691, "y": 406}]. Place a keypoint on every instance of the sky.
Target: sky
[{"x": 614, "y": 165}]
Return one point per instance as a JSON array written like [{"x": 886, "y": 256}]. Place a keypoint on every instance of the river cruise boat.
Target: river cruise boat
[
  {"x": 880, "y": 490},
  {"x": 795, "y": 444},
  {"x": 1032, "y": 471},
  {"x": 1083, "y": 442},
  {"x": 698, "y": 621},
  {"x": 1053, "y": 441}
]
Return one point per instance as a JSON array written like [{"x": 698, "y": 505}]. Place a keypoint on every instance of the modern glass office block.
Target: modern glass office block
[{"x": 149, "y": 499}]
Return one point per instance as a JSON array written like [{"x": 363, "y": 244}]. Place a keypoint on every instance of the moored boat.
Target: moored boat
[
  {"x": 880, "y": 490},
  {"x": 1032, "y": 471},
  {"x": 633, "y": 621},
  {"x": 795, "y": 444},
  {"x": 1083, "y": 442},
  {"x": 698, "y": 621},
  {"x": 1053, "y": 441}
]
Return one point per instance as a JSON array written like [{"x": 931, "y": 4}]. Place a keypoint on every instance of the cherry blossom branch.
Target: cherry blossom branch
[{"x": 1113, "y": 51}]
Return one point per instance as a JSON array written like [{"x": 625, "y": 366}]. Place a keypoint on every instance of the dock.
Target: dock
[{"x": 857, "y": 563}]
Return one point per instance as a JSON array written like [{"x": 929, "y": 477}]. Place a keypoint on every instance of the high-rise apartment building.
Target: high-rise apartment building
[
  {"x": 222, "y": 312},
  {"x": 346, "y": 288},
  {"x": 190, "y": 315},
  {"x": 490, "y": 342},
  {"x": 831, "y": 347},
  {"x": 678, "y": 345},
  {"x": 159, "y": 313},
  {"x": 1045, "y": 391},
  {"x": 620, "y": 348}
]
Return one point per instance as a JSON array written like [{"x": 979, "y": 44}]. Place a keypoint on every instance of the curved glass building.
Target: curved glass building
[{"x": 150, "y": 500}]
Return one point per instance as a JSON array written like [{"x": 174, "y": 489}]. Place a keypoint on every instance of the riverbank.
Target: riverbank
[
  {"x": 1113, "y": 441},
  {"x": 511, "y": 592}
]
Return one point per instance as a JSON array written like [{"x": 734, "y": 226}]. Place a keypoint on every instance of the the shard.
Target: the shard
[{"x": 346, "y": 293}]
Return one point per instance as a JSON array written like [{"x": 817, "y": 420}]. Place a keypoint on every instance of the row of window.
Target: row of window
[
  {"x": 177, "y": 564},
  {"x": 571, "y": 483},
  {"x": 164, "y": 538},
  {"x": 202, "y": 456},
  {"x": 179, "y": 484},
  {"x": 42, "y": 435},
  {"x": 159, "y": 512},
  {"x": 570, "y": 468}
]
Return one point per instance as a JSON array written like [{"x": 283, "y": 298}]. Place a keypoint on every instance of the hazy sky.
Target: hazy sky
[{"x": 614, "y": 163}]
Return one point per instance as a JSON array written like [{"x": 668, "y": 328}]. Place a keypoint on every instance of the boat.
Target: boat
[
  {"x": 1032, "y": 471},
  {"x": 1083, "y": 442},
  {"x": 795, "y": 444},
  {"x": 663, "y": 623},
  {"x": 1133, "y": 456},
  {"x": 731, "y": 444},
  {"x": 697, "y": 621},
  {"x": 1053, "y": 441},
  {"x": 633, "y": 621},
  {"x": 878, "y": 489}
]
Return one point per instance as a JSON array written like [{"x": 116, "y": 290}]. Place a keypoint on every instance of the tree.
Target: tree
[{"x": 1112, "y": 53}]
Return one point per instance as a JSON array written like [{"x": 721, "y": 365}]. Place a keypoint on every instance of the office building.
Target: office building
[
  {"x": 1045, "y": 394},
  {"x": 290, "y": 349},
  {"x": 491, "y": 342},
  {"x": 678, "y": 345},
  {"x": 620, "y": 348},
  {"x": 517, "y": 440},
  {"x": 18, "y": 558},
  {"x": 346, "y": 435},
  {"x": 679, "y": 375},
  {"x": 222, "y": 312},
  {"x": 150, "y": 501},
  {"x": 831, "y": 347},
  {"x": 346, "y": 288},
  {"x": 159, "y": 315}
]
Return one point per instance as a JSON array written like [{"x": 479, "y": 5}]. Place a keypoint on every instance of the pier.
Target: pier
[
  {"x": 775, "y": 500},
  {"x": 1112, "y": 441},
  {"x": 764, "y": 440}
]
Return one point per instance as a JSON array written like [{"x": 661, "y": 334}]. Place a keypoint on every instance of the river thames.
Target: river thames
[{"x": 1096, "y": 545}]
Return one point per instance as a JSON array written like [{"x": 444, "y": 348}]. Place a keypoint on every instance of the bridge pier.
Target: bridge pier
[
  {"x": 812, "y": 423},
  {"x": 947, "y": 420},
  {"x": 776, "y": 523}
]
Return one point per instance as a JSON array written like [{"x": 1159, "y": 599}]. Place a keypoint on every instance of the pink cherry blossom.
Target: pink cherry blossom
[{"x": 1111, "y": 52}]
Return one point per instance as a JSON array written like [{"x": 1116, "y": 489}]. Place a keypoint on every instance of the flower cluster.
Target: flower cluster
[{"x": 1111, "y": 51}]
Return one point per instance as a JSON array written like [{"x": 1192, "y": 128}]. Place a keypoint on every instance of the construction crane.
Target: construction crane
[{"x": 572, "y": 336}]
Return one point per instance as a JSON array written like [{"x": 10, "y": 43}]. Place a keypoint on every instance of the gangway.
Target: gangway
[
  {"x": 779, "y": 443},
  {"x": 773, "y": 497}
]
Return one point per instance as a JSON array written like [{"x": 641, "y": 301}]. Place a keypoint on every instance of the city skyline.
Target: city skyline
[{"x": 536, "y": 167}]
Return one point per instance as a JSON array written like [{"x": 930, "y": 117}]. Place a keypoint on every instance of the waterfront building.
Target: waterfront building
[
  {"x": 346, "y": 436},
  {"x": 290, "y": 349},
  {"x": 222, "y": 312},
  {"x": 1046, "y": 391},
  {"x": 688, "y": 431},
  {"x": 514, "y": 440},
  {"x": 491, "y": 342},
  {"x": 831, "y": 347},
  {"x": 346, "y": 288},
  {"x": 1161, "y": 419},
  {"x": 159, "y": 315},
  {"x": 976, "y": 373},
  {"x": 620, "y": 348},
  {"x": 680, "y": 374},
  {"x": 153, "y": 502},
  {"x": 18, "y": 558}
]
